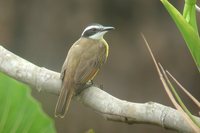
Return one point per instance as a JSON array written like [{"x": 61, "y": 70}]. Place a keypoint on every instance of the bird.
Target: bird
[{"x": 84, "y": 60}]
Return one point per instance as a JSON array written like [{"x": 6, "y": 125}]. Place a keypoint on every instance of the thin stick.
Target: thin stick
[
  {"x": 185, "y": 90},
  {"x": 195, "y": 128}
]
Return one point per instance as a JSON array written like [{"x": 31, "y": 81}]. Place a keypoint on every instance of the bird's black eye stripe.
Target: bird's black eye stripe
[
  {"x": 90, "y": 32},
  {"x": 93, "y": 29}
]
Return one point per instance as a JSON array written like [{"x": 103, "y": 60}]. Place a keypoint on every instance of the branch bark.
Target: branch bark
[{"x": 110, "y": 107}]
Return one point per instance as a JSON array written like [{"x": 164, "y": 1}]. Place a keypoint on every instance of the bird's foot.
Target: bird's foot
[
  {"x": 88, "y": 84},
  {"x": 83, "y": 87}
]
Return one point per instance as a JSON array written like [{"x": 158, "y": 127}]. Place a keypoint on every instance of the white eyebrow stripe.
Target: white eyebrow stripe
[{"x": 90, "y": 27}]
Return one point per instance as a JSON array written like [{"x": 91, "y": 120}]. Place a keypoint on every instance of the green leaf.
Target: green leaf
[
  {"x": 187, "y": 26},
  {"x": 19, "y": 112},
  {"x": 189, "y": 13}
]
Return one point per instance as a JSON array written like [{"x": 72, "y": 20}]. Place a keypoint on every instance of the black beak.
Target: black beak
[{"x": 107, "y": 28}]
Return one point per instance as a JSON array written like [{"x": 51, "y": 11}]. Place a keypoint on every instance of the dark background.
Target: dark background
[{"x": 42, "y": 31}]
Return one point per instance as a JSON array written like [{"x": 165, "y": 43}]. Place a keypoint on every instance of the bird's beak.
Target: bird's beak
[{"x": 107, "y": 28}]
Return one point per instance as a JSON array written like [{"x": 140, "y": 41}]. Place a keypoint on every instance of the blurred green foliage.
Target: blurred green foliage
[
  {"x": 90, "y": 131},
  {"x": 187, "y": 25},
  {"x": 19, "y": 111}
]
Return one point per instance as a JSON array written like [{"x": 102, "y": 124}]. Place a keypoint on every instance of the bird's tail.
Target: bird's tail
[{"x": 64, "y": 99}]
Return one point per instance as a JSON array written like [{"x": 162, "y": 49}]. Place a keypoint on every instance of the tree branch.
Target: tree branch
[{"x": 110, "y": 107}]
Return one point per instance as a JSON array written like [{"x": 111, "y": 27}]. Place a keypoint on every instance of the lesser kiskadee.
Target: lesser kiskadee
[{"x": 83, "y": 61}]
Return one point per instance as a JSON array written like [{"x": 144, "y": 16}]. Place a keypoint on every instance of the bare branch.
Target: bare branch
[
  {"x": 105, "y": 104},
  {"x": 22, "y": 70}
]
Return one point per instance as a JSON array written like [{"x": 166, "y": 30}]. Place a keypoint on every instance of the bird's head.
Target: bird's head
[{"x": 96, "y": 31}]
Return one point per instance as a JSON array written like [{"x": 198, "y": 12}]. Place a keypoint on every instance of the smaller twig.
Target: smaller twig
[
  {"x": 185, "y": 90},
  {"x": 182, "y": 108},
  {"x": 163, "y": 80}
]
